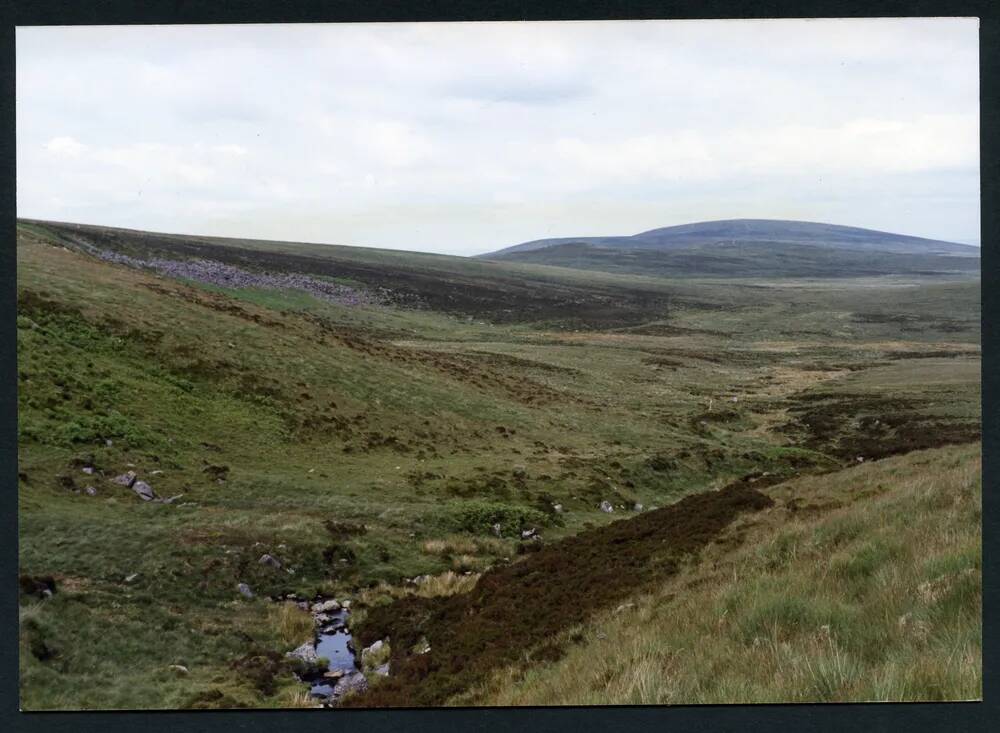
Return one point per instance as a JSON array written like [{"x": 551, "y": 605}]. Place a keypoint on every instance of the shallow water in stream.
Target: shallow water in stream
[{"x": 334, "y": 646}]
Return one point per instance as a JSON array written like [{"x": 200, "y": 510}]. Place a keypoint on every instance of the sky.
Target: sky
[{"x": 463, "y": 138}]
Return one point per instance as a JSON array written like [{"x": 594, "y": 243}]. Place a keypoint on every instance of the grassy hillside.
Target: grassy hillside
[
  {"x": 378, "y": 433},
  {"x": 860, "y": 585},
  {"x": 745, "y": 259},
  {"x": 743, "y": 248},
  {"x": 757, "y": 231}
]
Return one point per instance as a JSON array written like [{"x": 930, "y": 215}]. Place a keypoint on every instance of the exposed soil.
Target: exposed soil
[{"x": 518, "y": 608}]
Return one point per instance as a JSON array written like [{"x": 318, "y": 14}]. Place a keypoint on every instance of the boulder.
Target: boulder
[
  {"x": 305, "y": 654},
  {"x": 326, "y": 606},
  {"x": 270, "y": 560},
  {"x": 126, "y": 479},
  {"x": 606, "y": 507},
  {"x": 244, "y": 590},
  {"x": 382, "y": 670},
  {"x": 350, "y": 684},
  {"x": 143, "y": 490}
]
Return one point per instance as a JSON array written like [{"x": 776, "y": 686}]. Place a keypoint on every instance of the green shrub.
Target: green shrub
[{"x": 480, "y": 517}]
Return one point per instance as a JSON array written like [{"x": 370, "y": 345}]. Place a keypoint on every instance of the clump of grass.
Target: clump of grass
[
  {"x": 450, "y": 546},
  {"x": 294, "y": 626}
]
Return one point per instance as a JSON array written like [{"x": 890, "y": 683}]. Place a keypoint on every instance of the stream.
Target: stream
[{"x": 334, "y": 643}]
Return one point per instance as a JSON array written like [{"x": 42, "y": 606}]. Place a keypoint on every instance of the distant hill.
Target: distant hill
[{"x": 753, "y": 247}]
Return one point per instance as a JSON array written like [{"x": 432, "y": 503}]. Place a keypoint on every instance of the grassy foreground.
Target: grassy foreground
[{"x": 860, "y": 585}]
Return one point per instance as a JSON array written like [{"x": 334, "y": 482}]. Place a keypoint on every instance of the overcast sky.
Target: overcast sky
[{"x": 463, "y": 138}]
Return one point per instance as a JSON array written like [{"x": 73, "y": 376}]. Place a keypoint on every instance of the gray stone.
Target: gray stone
[
  {"x": 130, "y": 578},
  {"x": 326, "y": 606},
  {"x": 178, "y": 668},
  {"x": 382, "y": 670},
  {"x": 350, "y": 684},
  {"x": 606, "y": 507},
  {"x": 637, "y": 507},
  {"x": 244, "y": 590},
  {"x": 305, "y": 653},
  {"x": 89, "y": 470},
  {"x": 144, "y": 490},
  {"x": 497, "y": 529},
  {"x": 270, "y": 560},
  {"x": 126, "y": 479},
  {"x": 529, "y": 534},
  {"x": 557, "y": 508},
  {"x": 90, "y": 491}
]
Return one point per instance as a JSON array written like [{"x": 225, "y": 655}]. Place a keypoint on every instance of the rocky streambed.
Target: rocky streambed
[{"x": 329, "y": 663}]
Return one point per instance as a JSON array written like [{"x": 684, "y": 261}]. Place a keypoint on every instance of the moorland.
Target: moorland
[{"x": 615, "y": 479}]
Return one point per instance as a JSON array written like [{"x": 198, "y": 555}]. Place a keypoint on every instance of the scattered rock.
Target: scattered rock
[
  {"x": 326, "y": 606},
  {"x": 498, "y": 529},
  {"x": 350, "y": 684},
  {"x": 333, "y": 674},
  {"x": 42, "y": 586},
  {"x": 126, "y": 479},
  {"x": 305, "y": 654},
  {"x": 89, "y": 470},
  {"x": 244, "y": 590},
  {"x": 375, "y": 647},
  {"x": 637, "y": 507},
  {"x": 606, "y": 507},
  {"x": 157, "y": 472},
  {"x": 144, "y": 490},
  {"x": 130, "y": 578},
  {"x": 270, "y": 560},
  {"x": 178, "y": 668},
  {"x": 529, "y": 534},
  {"x": 90, "y": 491},
  {"x": 557, "y": 508},
  {"x": 382, "y": 670}
]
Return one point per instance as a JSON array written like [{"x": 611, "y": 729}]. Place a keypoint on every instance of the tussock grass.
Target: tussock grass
[
  {"x": 294, "y": 626},
  {"x": 878, "y": 599}
]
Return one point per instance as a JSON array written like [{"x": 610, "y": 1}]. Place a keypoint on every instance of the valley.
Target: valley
[{"x": 509, "y": 467}]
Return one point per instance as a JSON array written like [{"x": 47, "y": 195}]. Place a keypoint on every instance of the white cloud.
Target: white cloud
[{"x": 65, "y": 146}]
